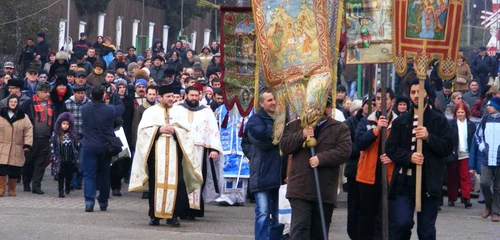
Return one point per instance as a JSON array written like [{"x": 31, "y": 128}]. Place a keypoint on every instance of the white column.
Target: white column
[
  {"x": 206, "y": 37},
  {"x": 165, "y": 35},
  {"x": 193, "y": 40},
  {"x": 81, "y": 28},
  {"x": 119, "y": 31},
  {"x": 151, "y": 32},
  {"x": 62, "y": 32},
  {"x": 100, "y": 24},
  {"x": 135, "y": 29}
]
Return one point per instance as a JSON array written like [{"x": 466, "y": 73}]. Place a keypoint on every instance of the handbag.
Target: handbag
[{"x": 461, "y": 80}]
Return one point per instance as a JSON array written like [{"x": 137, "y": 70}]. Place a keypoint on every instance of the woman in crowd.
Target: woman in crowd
[
  {"x": 17, "y": 137},
  {"x": 458, "y": 166},
  {"x": 51, "y": 60},
  {"x": 463, "y": 77}
]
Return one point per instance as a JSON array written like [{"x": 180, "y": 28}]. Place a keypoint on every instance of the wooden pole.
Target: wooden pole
[
  {"x": 420, "y": 112},
  {"x": 383, "y": 136}
]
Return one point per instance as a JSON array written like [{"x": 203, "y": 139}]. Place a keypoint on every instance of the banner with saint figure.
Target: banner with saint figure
[
  {"x": 425, "y": 30},
  {"x": 238, "y": 58}
]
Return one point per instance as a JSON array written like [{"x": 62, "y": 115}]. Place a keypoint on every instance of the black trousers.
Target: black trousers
[
  {"x": 369, "y": 225},
  {"x": 181, "y": 200},
  {"x": 352, "y": 208},
  {"x": 116, "y": 175},
  {"x": 36, "y": 161},
  {"x": 66, "y": 175},
  {"x": 201, "y": 212},
  {"x": 306, "y": 221},
  {"x": 14, "y": 172}
]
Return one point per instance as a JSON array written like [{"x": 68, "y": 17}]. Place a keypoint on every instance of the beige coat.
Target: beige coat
[
  {"x": 13, "y": 138},
  {"x": 463, "y": 71}
]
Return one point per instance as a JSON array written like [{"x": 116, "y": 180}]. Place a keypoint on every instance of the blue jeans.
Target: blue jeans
[
  {"x": 401, "y": 213},
  {"x": 266, "y": 205},
  {"x": 95, "y": 168}
]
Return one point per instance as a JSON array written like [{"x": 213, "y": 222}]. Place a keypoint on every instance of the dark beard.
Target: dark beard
[{"x": 193, "y": 103}]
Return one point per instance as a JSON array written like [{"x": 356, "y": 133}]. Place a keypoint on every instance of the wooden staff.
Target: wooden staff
[
  {"x": 383, "y": 136},
  {"x": 420, "y": 112}
]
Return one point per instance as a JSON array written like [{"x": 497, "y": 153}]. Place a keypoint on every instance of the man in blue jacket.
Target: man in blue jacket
[
  {"x": 265, "y": 164},
  {"x": 97, "y": 124}
]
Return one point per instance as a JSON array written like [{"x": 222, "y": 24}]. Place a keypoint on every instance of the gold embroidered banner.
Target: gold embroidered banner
[
  {"x": 368, "y": 24},
  {"x": 425, "y": 30},
  {"x": 295, "y": 49}
]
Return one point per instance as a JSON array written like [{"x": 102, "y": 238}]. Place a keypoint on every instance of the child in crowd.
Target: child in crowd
[{"x": 64, "y": 153}]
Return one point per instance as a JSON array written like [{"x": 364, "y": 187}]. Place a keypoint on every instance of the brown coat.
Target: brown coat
[
  {"x": 94, "y": 79},
  {"x": 463, "y": 71},
  {"x": 333, "y": 149},
  {"x": 15, "y": 135}
]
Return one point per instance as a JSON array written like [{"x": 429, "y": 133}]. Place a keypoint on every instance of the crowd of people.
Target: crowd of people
[{"x": 63, "y": 108}]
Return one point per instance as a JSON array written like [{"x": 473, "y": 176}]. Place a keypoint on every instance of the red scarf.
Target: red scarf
[
  {"x": 40, "y": 111},
  {"x": 60, "y": 94}
]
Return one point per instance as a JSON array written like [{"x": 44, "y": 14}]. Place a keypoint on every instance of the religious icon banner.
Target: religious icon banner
[
  {"x": 238, "y": 58},
  {"x": 368, "y": 24},
  {"x": 295, "y": 50},
  {"x": 425, "y": 30}
]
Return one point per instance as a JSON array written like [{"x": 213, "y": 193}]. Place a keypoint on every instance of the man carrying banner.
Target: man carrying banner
[
  {"x": 401, "y": 145},
  {"x": 165, "y": 154},
  {"x": 332, "y": 150}
]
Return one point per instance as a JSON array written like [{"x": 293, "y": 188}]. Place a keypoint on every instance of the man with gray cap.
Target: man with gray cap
[
  {"x": 15, "y": 86},
  {"x": 483, "y": 67},
  {"x": 40, "y": 111},
  {"x": 30, "y": 82},
  {"x": 8, "y": 69},
  {"x": 81, "y": 80}
]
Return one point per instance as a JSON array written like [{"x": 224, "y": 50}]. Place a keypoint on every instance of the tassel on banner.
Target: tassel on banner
[
  {"x": 225, "y": 120},
  {"x": 240, "y": 133}
]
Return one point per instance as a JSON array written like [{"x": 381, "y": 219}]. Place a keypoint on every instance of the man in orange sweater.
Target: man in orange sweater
[{"x": 369, "y": 172}]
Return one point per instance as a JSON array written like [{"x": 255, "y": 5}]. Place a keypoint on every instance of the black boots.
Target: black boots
[
  {"x": 61, "y": 187},
  {"x": 173, "y": 222}
]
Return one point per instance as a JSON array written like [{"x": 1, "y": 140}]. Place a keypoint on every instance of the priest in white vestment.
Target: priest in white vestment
[
  {"x": 205, "y": 133},
  {"x": 165, "y": 154}
]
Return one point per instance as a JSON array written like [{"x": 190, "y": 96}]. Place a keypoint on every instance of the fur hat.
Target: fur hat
[
  {"x": 142, "y": 73},
  {"x": 15, "y": 83},
  {"x": 65, "y": 116},
  {"x": 131, "y": 66},
  {"x": 61, "y": 81},
  {"x": 121, "y": 65},
  {"x": 120, "y": 81}
]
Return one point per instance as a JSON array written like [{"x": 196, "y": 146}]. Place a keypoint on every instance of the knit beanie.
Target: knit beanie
[
  {"x": 142, "y": 82},
  {"x": 495, "y": 103}
]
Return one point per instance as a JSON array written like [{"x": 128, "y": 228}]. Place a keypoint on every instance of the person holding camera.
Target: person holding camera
[{"x": 98, "y": 124}]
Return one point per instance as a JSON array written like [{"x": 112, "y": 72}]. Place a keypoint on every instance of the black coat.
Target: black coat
[
  {"x": 265, "y": 159},
  {"x": 438, "y": 146},
  {"x": 351, "y": 166},
  {"x": 471, "y": 129},
  {"x": 59, "y": 106}
]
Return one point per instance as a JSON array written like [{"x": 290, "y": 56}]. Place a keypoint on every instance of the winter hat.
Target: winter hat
[
  {"x": 61, "y": 55},
  {"x": 198, "y": 86},
  {"x": 121, "y": 65},
  {"x": 158, "y": 57},
  {"x": 210, "y": 90},
  {"x": 65, "y": 116},
  {"x": 61, "y": 81},
  {"x": 43, "y": 87},
  {"x": 495, "y": 103},
  {"x": 99, "y": 64},
  {"x": 15, "y": 83},
  {"x": 131, "y": 66},
  {"x": 120, "y": 81},
  {"x": 355, "y": 105},
  {"x": 141, "y": 81},
  {"x": 143, "y": 73},
  {"x": 197, "y": 66},
  {"x": 140, "y": 58}
]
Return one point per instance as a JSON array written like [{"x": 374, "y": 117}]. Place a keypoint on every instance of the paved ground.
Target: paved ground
[{"x": 30, "y": 216}]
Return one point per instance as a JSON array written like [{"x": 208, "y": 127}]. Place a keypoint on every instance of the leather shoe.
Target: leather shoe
[
  {"x": 467, "y": 203},
  {"x": 451, "y": 203},
  {"x": 154, "y": 221},
  {"x": 61, "y": 194},
  {"x": 117, "y": 193},
  {"x": 89, "y": 209},
  {"x": 486, "y": 213},
  {"x": 495, "y": 218},
  {"x": 27, "y": 188},
  {"x": 174, "y": 222},
  {"x": 67, "y": 190},
  {"x": 104, "y": 209},
  {"x": 37, "y": 191}
]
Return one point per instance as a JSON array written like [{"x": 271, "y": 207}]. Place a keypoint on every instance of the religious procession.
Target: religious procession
[{"x": 297, "y": 119}]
